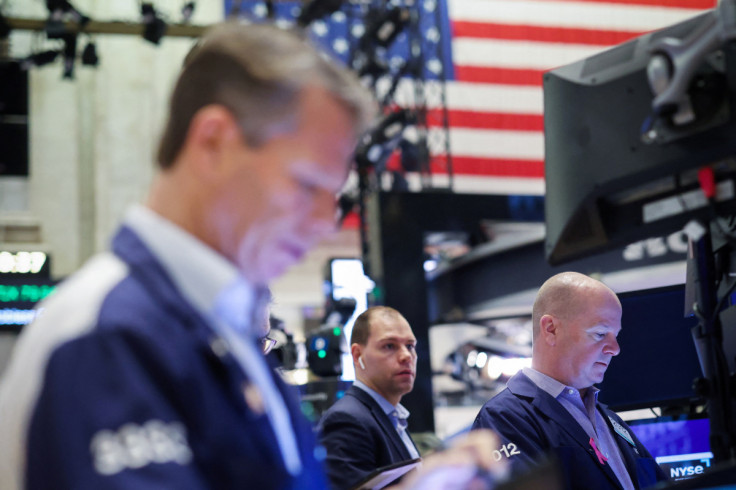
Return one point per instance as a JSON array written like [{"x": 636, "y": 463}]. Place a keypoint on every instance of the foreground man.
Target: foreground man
[
  {"x": 552, "y": 408},
  {"x": 144, "y": 370}
]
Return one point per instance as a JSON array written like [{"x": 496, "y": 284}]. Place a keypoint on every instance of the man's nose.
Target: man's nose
[
  {"x": 405, "y": 353},
  {"x": 324, "y": 213},
  {"x": 612, "y": 347}
]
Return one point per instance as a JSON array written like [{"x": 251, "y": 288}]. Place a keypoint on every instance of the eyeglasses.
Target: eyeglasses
[{"x": 267, "y": 344}]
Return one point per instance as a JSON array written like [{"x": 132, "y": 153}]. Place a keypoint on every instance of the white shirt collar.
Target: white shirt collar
[
  {"x": 385, "y": 405},
  {"x": 203, "y": 276},
  {"x": 552, "y": 386}
]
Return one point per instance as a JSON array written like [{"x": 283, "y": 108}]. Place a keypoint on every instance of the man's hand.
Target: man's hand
[{"x": 468, "y": 463}]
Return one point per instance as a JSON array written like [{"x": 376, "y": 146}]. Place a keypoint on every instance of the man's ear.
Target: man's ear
[
  {"x": 548, "y": 329},
  {"x": 356, "y": 350},
  {"x": 212, "y": 130}
]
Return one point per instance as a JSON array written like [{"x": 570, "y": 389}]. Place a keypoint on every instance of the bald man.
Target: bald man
[{"x": 552, "y": 409}]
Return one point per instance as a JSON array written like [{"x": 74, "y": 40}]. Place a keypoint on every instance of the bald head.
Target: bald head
[
  {"x": 576, "y": 321},
  {"x": 564, "y": 295}
]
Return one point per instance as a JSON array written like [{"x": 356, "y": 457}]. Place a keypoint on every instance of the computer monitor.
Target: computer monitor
[
  {"x": 19, "y": 297},
  {"x": 346, "y": 279},
  {"x": 679, "y": 444},
  {"x": 606, "y": 186},
  {"x": 658, "y": 360}
]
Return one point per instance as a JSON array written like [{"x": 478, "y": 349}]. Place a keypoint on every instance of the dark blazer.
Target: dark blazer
[
  {"x": 145, "y": 362},
  {"x": 532, "y": 425},
  {"x": 359, "y": 438}
]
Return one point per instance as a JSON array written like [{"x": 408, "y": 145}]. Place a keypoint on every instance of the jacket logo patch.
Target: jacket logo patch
[
  {"x": 622, "y": 432},
  {"x": 135, "y": 446}
]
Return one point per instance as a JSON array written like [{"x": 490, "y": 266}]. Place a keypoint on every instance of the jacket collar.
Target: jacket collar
[
  {"x": 383, "y": 420},
  {"x": 521, "y": 386}
]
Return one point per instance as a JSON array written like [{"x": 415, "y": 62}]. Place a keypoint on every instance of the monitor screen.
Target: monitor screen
[
  {"x": 607, "y": 183},
  {"x": 19, "y": 297},
  {"x": 347, "y": 280},
  {"x": 658, "y": 361},
  {"x": 679, "y": 445}
]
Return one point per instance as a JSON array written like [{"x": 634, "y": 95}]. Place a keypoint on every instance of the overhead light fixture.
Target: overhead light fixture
[
  {"x": 371, "y": 69},
  {"x": 411, "y": 68},
  {"x": 4, "y": 27},
  {"x": 186, "y": 12},
  {"x": 382, "y": 29},
  {"x": 414, "y": 154},
  {"x": 382, "y": 140},
  {"x": 64, "y": 7},
  {"x": 154, "y": 26},
  {"x": 70, "y": 55},
  {"x": 316, "y": 9},
  {"x": 59, "y": 11},
  {"x": 385, "y": 27},
  {"x": 346, "y": 203},
  {"x": 389, "y": 129},
  {"x": 270, "y": 9},
  {"x": 89, "y": 54},
  {"x": 325, "y": 347},
  {"x": 39, "y": 59}
]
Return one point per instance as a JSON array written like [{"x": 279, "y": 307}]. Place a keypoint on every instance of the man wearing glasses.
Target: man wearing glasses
[{"x": 144, "y": 370}]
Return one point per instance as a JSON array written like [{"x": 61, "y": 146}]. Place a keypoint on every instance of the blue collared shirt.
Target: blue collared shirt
[
  {"x": 590, "y": 419},
  {"x": 394, "y": 413},
  {"x": 214, "y": 286}
]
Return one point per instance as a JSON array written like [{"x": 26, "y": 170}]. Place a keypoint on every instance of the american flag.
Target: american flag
[
  {"x": 493, "y": 54},
  {"x": 500, "y": 48}
]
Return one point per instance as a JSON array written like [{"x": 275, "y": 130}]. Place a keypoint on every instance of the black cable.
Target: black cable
[{"x": 730, "y": 237}]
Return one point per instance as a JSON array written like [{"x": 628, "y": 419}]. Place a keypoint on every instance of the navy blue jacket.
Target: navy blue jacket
[
  {"x": 532, "y": 425},
  {"x": 359, "y": 438},
  {"x": 143, "y": 395}
]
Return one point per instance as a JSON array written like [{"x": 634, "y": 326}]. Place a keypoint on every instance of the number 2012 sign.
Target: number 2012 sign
[{"x": 507, "y": 450}]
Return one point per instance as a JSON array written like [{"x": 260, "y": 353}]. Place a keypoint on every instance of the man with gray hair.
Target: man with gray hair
[
  {"x": 552, "y": 409},
  {"x": 144, "y": 370}
]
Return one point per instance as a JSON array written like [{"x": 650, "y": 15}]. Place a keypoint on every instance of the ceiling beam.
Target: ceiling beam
[{"x": 112, "y": 27}]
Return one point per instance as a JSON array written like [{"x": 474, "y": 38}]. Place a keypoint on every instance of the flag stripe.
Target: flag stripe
[
  {"x": 488, "y": 120},
  {"x": 491, "y": 30},
  {"x": 505, "y": 76},
  {"x": 476, "y": 97},
  {"x": 476, "y": 168},
  {"x": 497, "y": 143},
  {"x": 494, "y": 98},
  {"x": 689, "y": 4},
  {"x": 569, "y": 14},
  {"x": 507, "y": 167},
  {"x": 496, "y": 184},
  {"x": 519, "y": 54},
  {"x": 481, "y": 184}
]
